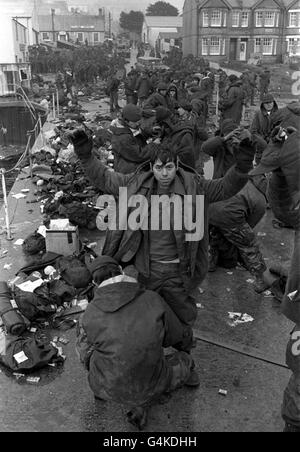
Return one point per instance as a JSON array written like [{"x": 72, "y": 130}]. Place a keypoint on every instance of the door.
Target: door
[
  {"x": 233, "y": 49},
  {"x": 243, "y": 50}
]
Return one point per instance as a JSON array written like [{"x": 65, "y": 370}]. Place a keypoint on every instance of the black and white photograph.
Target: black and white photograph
[{"x": 149, "y": 219}]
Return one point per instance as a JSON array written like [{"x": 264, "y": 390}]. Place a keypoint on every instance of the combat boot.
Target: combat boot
[{"x": 260, "y": 285}]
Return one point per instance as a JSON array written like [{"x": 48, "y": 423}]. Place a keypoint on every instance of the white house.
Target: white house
[
  {"x": 19, "y": 29},
  {"x": 154, "y": 25}
]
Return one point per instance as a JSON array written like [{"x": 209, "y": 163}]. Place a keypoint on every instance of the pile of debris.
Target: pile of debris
[{"x": 61, "y": 185}]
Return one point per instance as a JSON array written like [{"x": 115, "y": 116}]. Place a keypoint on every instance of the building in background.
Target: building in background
[
  {"x": 166, "y": 41},
  {"x": 238, "y": 30},
  {"x": 76, "y": 28},
  {"x": 18, "y": 31},
  {"x": 154, "y": 25}
]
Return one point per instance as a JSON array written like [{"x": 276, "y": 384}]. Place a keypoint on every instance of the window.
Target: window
[
  {"x": 259, "y": 19},
  {"x": 269, "y": 19},
  {"x": 257, "y": 47},
  {"x": 245, "y": 19},
  {"x": 205, "y": 19},
  {"x": 205, "y": 46},
  {"x": 80, "y": 37},
  {"x": 267, "y": 46},
  {"x": 45, "y": 36},
  {"x": 235, "y": 19},
  {"x": 294, "y": 19},
  {"x": 96, "y": 37},
  {"x": 215, "y": 45},
  {"x": 294, "y": 46},
  {"x": 216, "y": 19}
]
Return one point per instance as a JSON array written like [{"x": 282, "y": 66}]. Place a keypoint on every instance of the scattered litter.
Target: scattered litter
[
  {"x": 229, "y": 273},
  {"x": 268, "y": 293},
  {"x": 33, "y": 330},
  {"x": 228, "y": 289},
  {"x": 282, "y": 244},
  {"x": 19, "y": 242},
  {"x": 52, "y": 364},
  {"x": 199, "y": 306},
  {"x": 25, "y": 190},
  {"x": 63, "y": 340},
  {"x": 55, "y": 339},
  {"x": 250, "y": 281},
  {"x": 33, "y": 380},
  {"x": 30, "y": 286},
  {"x": 292, "y": 295},
  {"x": 261, "y": 234},
  {"x": 20, "y": 357},
  {"x": 237, "y": 318},
  {"x": 7, "y": 266},
  {"x": 201, "y": 290},
  {"x": 19, "y": 196},
  {"x": 223, "y": 392},
  {"x": 18, "y": 376}
]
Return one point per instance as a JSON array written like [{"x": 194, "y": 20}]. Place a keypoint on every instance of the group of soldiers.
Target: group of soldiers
[{"x": 159, "y": 141}]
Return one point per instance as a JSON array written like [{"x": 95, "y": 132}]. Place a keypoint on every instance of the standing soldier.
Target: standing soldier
[
  {"x": 264, "y": 82},
  {"x": 282, "y": 157}
]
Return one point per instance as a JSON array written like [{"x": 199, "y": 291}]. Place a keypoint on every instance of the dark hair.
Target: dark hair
[
  {"x": 107, "y": 272},
  {"x": 164, "y": 153}
]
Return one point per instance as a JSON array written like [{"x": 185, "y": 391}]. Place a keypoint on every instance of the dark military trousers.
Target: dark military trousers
[{"x": 238, "y": 244}]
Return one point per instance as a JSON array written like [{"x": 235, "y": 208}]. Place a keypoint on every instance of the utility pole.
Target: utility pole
[{"x": 53, "y": 29}]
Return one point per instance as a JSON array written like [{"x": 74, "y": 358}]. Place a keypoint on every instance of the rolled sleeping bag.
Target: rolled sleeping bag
[{"x": 13, "y": 322}]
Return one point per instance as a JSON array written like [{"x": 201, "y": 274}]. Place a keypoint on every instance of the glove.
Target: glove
[
  {"x": 83, "y": 144},
  {"x": 244, "y": 155},
  {"x": 278, "y": 135}
]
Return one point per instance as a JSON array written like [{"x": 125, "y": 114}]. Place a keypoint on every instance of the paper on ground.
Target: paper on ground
[
  {"x": 237, "y": 318},
  {"x": 30, "y": 286}
]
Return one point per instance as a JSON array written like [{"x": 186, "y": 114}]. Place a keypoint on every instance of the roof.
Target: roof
[
  {"x": 245, "y": 4},
  {"x": 71, "y": 23},
  {"x": 170, "y": 35},
  {"x": 164, "y": 21}
]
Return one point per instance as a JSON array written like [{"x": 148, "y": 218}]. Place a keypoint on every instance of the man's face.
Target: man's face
[
  {"x": 268, "y": 106},
  {"x": 164, "y": 174},
  {"x": 163, "y": 92},
  {"x": 134, "y": 125}
]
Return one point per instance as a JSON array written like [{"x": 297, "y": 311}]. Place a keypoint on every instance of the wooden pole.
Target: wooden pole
[
  {"x": 8, "y": 230},
  {"x": 57, "y": 100},
  {"x": 53, "y": 105}
]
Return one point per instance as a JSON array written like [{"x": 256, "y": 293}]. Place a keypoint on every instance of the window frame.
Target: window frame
[
  {"x": 247, "y": 24},
  {"x": 211, "y": 45},
  {"x": 98, "y": 37},
  {"x": 80, "y": 33},
  {"x": 235, "y": 14},
  {"x": 264, "y": 45},
  {"x": 43, "y": 35},
  {"x": 212, "y": 17},
  {"x": 265, "y": 19},
  {"x": 256, "y": 19},
  {"x": 205, "y": 45},
  {"x": 205, "y": 19}
]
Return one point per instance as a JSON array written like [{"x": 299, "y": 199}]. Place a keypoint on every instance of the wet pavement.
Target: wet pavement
[{"x": 62, "y": 400}]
